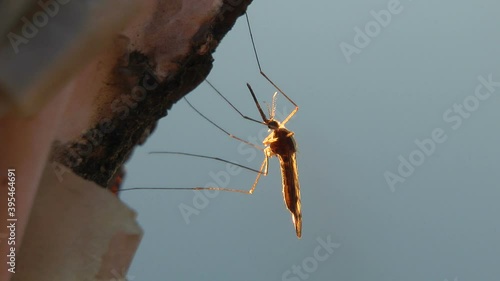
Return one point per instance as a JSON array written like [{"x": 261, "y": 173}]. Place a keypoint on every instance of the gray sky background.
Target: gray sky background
[{"x": 355, "y": 121}]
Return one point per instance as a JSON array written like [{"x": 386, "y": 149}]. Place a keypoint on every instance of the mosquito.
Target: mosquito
[{"x": 280, "y": 143}]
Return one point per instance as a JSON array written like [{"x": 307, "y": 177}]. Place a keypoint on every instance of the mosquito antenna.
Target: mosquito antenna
[
  {"x": 273, "y": 105},
  {"x": 257, "y": 103},
  {"x": 269, "y": 110}
]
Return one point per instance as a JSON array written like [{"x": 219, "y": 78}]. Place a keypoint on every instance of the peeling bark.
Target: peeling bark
[{"x": 152, "y": 65}]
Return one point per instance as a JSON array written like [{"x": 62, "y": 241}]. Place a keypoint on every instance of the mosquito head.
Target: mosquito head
[{"x": 273, "y": 124}]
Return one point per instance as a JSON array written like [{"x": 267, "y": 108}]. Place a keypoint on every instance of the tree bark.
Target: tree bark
[{"x": 80, "y": 90}]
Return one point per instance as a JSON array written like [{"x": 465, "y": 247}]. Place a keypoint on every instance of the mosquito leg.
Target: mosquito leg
[
  {"x": 234, "y": 107},
  {"x": 206, "y": 157},
  {"x": 224, "y": 131},
  {"x": 263, "y": 167},
  {"x": 269, "y": 79}
]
